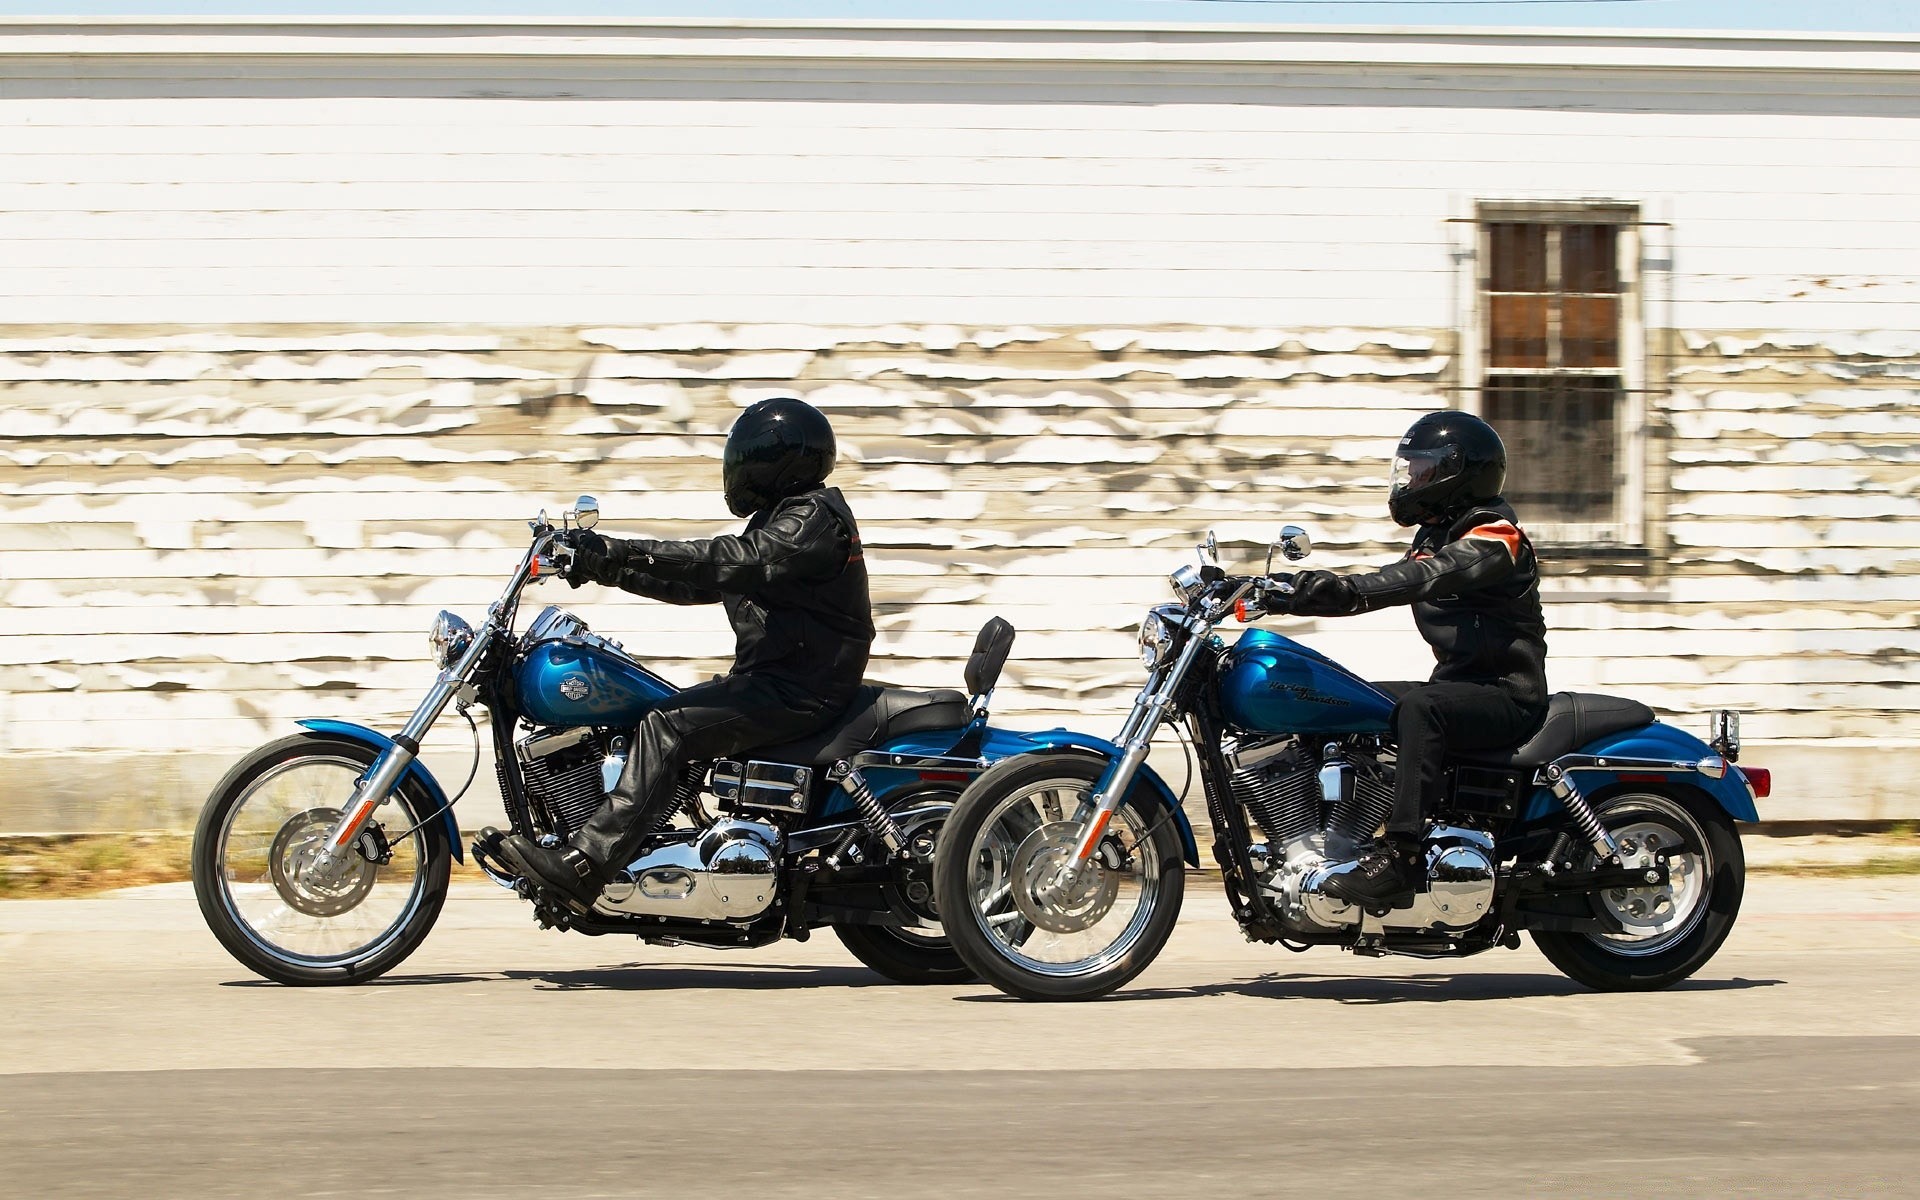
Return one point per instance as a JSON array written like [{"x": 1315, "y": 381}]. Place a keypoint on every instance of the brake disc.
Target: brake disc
[
  {"x": 1038, "y": 860},
  {"x": 290, "y": 863}
]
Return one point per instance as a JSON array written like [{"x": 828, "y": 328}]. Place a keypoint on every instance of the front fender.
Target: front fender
[
  {"x": 414, "y": 771},
  {"x": 1003, "y": 745},
  {"x": 1663, "y": 741}
]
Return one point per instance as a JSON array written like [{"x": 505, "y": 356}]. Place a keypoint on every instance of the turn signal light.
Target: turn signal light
[{"x": 1759, "y": 779}]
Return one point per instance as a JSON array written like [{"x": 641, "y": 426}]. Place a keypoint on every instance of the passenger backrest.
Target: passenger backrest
[{"x": 990, "y": 652}]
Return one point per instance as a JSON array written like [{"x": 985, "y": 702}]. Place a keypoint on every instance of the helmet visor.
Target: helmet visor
[{"x": 1416, "y": 470}]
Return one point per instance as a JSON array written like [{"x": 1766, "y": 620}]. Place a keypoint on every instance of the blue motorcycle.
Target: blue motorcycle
[
  {"x": 1608, "y": 836},
  {"x": 324, "y": 857}
]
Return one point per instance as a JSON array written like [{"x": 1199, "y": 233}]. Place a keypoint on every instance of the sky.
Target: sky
[{"x": 1838, "y": 16}]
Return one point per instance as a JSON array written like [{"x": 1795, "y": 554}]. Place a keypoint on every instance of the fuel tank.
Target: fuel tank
[
  {"x": 567, "y": 676},
  {"x": 1273, "y": 684}
]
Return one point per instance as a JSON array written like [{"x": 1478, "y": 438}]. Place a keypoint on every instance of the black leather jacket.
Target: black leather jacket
[
  {"x": 1474, "y": 586},
  {"x": 794, "y": 584}
]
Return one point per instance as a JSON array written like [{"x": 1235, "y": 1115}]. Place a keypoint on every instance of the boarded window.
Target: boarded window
[{"x": 1555, "y": 361}]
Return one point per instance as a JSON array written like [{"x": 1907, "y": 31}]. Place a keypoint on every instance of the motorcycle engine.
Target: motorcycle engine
[
  {"x": 1460, "y": 877},
  {"x": 726, "y": 872},
  {"x": 569, "y": 773},
  {"x": 563, "y": 773},
  {"x": 1317, "y": 812}
]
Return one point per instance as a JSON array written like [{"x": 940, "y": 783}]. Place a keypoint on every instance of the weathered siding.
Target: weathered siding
[
  {"x": 532, "y": 175},
  {"x": 292, "y": 339}
]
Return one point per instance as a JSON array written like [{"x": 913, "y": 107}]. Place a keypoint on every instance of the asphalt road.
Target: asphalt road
[{"x": 136, "y": 1059}]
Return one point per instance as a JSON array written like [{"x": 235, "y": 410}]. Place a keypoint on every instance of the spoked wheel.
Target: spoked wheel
[
  {"x": 1012, "y": 914},
  {"x": 255, "y": 873},
  {"x": 1670, "y": 930},
  {"x": 917, "y": 953}
]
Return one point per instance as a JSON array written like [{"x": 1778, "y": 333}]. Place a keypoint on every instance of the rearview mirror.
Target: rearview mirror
[
  {"x": 1293, "y": 544},
  {"x": 586, "y": 512}
]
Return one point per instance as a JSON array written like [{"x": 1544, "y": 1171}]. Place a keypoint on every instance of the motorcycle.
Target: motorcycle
[
  {"x": 1608, "y": 836},
  {"x": 325, "y": 857}
]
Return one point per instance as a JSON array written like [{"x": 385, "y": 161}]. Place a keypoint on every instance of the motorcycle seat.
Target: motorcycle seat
[
  {"x": 1573, "y": 720},
  {"x": 876, "y": 714}
]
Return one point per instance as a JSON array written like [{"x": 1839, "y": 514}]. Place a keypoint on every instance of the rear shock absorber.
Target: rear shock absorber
[
  {"x": 869, "y": 807},
  {"x": 1582, "y": 813}
]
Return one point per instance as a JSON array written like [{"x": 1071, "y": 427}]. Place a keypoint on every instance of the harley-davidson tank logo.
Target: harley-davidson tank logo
[
  {"x": 575, "y": 687},
  {"x": 1307, "y": 695}
]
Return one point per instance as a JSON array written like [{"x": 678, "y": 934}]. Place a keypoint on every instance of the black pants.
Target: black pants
[
  {"x": 731, "y": 714},
  {"x": 1434, "y": 718}
]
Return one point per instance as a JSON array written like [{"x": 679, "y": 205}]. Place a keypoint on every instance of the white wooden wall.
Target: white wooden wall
[{"x": 298, "y": 321}]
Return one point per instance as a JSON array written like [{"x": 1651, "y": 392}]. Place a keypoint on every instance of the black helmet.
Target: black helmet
[
  {"x": 777, "y": 448},
  {"x": 1447, "y": 463}
]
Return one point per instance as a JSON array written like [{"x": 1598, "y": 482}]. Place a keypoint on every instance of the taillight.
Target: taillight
[{"x": 1759, "y": 779}]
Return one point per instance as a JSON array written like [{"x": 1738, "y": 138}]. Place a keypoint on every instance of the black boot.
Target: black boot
[
  {"x": 567, "y": 872},
  {"x": 1384, "y": 878}
]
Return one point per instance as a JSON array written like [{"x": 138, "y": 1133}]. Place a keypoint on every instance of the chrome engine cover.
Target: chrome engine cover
[
  {"x": 726, "y": 872},
  {"x": 1461, "y": 876},
  {"x": 1295, "y": 884}
]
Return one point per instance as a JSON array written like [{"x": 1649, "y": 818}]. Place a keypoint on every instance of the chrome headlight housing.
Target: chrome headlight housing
[
  {"x": 1156, "y": 640},
  {"x": 449, "y": 637}
]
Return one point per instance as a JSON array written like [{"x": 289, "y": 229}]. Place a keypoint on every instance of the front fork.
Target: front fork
[
  {"x": 376, "y": 786},
  {"x": 1154, "y": 705}
]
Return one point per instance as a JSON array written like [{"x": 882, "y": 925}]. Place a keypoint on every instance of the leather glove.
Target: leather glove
[
  {"x": 589, "y": 561},
  {"x": 1322, "y": 594}
]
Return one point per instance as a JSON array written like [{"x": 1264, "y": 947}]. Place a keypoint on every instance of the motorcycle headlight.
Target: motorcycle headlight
[
  {"x": 1156, "y": 639},
  {"x": 449, "y": 637}
]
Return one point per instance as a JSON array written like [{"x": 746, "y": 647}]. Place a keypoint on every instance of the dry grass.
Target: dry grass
[
  {"x": 1879, "y": 865},
  {"x": 61, "y": 868},
  {"x": 54, "y": 868},
  {"x": 1892, "y": 851},
  {"x": 57, "y": 867}
]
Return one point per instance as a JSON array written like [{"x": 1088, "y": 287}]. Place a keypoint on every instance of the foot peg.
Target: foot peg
[{"x": 489, "y": 856}]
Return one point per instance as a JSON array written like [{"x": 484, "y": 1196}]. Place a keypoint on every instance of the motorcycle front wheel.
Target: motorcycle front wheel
[
  {"x": 996, "y": 877},
  {"x": 253, "y": 851}
]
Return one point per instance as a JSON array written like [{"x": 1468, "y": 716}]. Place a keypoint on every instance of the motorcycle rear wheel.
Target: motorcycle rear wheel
[
  {"x": 252, "y": 845},
  {"x": 902, "y": 956},
  {"x": 918, "y": 954},
  {"x": 1672, "y": 931}
]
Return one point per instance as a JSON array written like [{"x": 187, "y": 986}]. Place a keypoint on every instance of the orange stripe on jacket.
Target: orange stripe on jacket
[{"x": 1502, "y": 532}]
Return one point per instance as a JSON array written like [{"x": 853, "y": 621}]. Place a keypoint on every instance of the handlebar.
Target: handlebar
[
  {"x": 552, "y": 557},
  {"x": 1252, "y": 597},
  {"x": 555, "y": 564}
]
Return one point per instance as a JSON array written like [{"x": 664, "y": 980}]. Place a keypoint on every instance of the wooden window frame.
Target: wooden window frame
[{"x": 1627, "y": 531}]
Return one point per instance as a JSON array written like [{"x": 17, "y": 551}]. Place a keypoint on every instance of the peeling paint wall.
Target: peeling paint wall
[
  {"x": 290, "y": 346},
  {"x": 210, "y": 534}
]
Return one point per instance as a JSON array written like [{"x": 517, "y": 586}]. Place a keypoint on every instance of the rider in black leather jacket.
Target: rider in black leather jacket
[
  {"x": 1474, "y": 584},
  {"x": 794, "y": 585}
]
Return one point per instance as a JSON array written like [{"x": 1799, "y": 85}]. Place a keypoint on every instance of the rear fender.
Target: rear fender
[
  {"x": 1662, "y": 741},
  {"x": 415, "y": 771}
]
